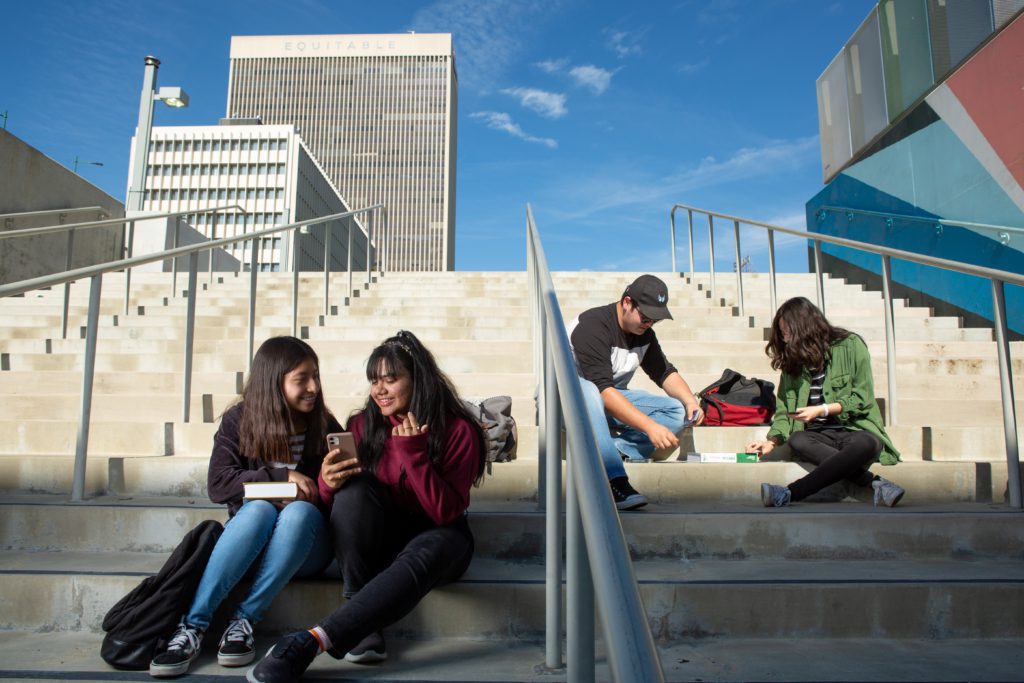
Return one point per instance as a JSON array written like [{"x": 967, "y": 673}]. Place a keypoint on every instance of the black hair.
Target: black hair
[{"x": 434, "y": 400}]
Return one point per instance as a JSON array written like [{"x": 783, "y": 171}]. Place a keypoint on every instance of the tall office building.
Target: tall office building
[{"x": 379, "y": 113}]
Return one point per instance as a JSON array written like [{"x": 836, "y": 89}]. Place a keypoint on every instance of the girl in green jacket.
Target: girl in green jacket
[{"x": 827, "y": 410}]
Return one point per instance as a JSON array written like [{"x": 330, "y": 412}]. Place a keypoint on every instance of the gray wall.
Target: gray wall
[{"x": 31, "y": 181}]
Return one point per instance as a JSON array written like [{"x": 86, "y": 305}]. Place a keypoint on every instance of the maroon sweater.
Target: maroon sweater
[{"x": 439, "y": 491}]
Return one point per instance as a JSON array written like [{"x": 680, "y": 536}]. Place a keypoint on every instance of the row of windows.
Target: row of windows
[
  {"x": 218, "y": 145},
  {"x": 204, "y": 194},
  {"x": 232, "y": 219},
  {"x": 167, "y": 170}
]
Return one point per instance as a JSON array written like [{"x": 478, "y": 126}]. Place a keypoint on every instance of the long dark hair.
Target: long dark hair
[
  {"x": 811, "y": 336},
  {"x": 434, "y": 400},
  {"x": 267, "y": 421}
]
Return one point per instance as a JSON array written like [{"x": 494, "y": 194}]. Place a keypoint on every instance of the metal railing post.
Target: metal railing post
[
  {"x": 190, "y": 330},
  {"x": 672, "y": 236},
  {"x": 67, "y": 286},
  {"x": 689, "y": 233},
  {"x": 88, "y": 371},
  {"x": 174, "y": 261},
  {"x": 711, "y": 252},
  {"x": 890, "y": 340},
  {"x": 295, "y": 282},
  {"x": 369, "y": 243},
  {"x": 254, "y": 268},
  {"x": 128, "y": 270},
  {"x": 349, "y": 294},
  {"x": 579, "y": 582},
  {"x": 739, "y": 265},
  {"x": 209, "y": 254},
  {"x": 553, "y": 515},
  {"x": 771, "y": 273},
  {"x": 819, "y": 281},
  {"x": 1006, "y": 390},
  {"x": 328, "y": 238}
]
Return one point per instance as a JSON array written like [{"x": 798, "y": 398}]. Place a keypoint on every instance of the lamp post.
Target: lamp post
[
  {"x": 88, "y": 163},
  {"x": 172, "y": 97}
]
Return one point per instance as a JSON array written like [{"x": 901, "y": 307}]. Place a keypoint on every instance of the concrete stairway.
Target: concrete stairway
[{"x": 721, "y": 577}]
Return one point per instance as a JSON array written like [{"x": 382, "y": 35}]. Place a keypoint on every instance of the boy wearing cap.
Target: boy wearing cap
[{"x": 609, "y": 343}]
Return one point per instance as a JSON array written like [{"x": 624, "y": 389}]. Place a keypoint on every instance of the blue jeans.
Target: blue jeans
[
  {"x": 293, "y": 541},
  {"x": 631, "y": 443}
]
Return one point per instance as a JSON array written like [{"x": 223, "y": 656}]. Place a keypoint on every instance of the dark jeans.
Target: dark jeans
[
  {"x": 838, "y": 454},
  {"x": 389, "y": 560}
]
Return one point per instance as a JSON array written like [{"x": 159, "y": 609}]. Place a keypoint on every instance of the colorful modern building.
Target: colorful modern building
[{"x": 921, "y": 116}]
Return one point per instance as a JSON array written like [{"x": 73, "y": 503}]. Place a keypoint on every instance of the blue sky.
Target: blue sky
[{"x": 601, "y": 115}]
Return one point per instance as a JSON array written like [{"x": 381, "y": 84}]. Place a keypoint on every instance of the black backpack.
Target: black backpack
[{"x": 141, "y": 621}]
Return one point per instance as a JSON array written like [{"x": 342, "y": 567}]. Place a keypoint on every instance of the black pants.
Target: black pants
[
  {"x": 388, "y": 558},
  {"x": 838, "y": 454}
]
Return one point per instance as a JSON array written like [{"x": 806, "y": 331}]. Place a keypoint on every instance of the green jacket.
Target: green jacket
[{"x": 848, "y": 382}]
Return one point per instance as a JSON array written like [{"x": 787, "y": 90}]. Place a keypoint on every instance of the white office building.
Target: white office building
[
  {"x": 379, "y": 112},
  {"x": 265, "y": 169}
]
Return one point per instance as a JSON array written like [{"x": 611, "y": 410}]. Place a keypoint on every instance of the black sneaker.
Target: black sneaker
[
  {"x": 626, "y": 497},
  {"x": 237, "y": 646},
  {"x": 370, "y": 650},
  {"x": 286, "y": 661},
  {"x": 181, "y": 651}
]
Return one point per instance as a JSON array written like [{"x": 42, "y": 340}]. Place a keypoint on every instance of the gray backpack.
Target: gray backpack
[{"x": 494, "y": 416}]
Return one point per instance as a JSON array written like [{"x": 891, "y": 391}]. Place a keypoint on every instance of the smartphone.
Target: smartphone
[
  {"x": 345, "y": 441},
  {"x": 792, "y": 413}
]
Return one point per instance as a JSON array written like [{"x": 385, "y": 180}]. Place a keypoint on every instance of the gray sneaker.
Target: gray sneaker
[
  {"x": 886, "y": 492},
  {"x": 775, "y": 496}
]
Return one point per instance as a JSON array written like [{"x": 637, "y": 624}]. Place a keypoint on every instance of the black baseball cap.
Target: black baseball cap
[{"x": 651, "y": 295}]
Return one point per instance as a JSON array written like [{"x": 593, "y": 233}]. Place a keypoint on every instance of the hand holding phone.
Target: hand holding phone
[{"x": 341, "y": 461}]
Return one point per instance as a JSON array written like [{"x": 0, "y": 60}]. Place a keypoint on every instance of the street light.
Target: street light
[
  {"x": 88, "y": 163},
  {"x": 172, "y": 97}
]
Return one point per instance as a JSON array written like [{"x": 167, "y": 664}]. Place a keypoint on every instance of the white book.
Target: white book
[
  {"x": 721, "y": 457},
  {"x": 271, "y": 490}
]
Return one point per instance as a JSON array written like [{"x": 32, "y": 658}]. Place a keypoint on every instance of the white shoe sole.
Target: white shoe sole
[
  {"x": 236, "y": 660},
  {"x": 367, "y": 657},
  {"x": 169, "y": 670}
]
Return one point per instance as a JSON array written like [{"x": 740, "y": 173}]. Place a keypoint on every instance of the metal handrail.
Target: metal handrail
[
  {"x": 96, "y": 273},
  {"x": 1003, "y": 230},
  {"x": 71, "y": 228},
  {"x": 597, "y": 555},
  {"x": 48, "y": 212},
  {"x": 108, "y": 222},
  {"x": 998, "y": 279}
]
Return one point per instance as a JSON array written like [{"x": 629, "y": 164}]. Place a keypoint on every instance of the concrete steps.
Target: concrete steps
[{"x": 718, "y": 572}]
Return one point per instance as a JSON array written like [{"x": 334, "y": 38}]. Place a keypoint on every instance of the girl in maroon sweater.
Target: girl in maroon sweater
[{"x": 398, "y": 515}]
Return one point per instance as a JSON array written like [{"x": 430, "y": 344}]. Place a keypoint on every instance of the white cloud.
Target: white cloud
[
  {"x": 592, "y": 77},
  {"x": 601, "y": 193},
  {"x": 488, "y": 36},
  {"x": 498, "y": 120},
  {"x": 552, "y": 66},
  {"x": 623, "y": 43},
  {"x": 693, "y": 67},
  {"x": 547, "y": 104}
]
